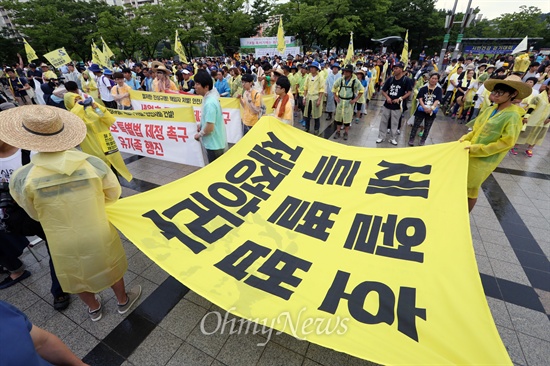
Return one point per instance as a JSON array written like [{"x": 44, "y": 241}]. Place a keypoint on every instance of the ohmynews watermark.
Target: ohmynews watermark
[{"x": 298, "y": 327}]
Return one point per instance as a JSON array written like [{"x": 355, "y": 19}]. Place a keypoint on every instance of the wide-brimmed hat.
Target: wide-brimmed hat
[
  {"x": 512, "y": 81},
  {"x": 106, "y": 71},
  {"x": 94, "y": 68},
  {"x": 489, "y": 66},
  {"x": 316, "y": 65},
  {"x": 41, "y": 128},
  {"x": 348, "y": 68},
  {"x": 163, "y": 69},
  {"x": 43, "y": 65}
]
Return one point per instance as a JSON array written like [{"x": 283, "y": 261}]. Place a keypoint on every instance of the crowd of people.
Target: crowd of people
[{"x": 50, "y": 189}]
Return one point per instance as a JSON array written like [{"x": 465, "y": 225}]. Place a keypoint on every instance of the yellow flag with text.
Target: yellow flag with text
[
  {"x": 405, "y": 54},
  {"x": 98, "y": 57},
  {"x": 349, "y": 54},
  {"x": 58, "y": 57},
  {"x": 31, "y": 54},
  {"x": 281, "y": 44},
  {"x": 178, "y": 48},
  {"x": 106, "y": 50},
  {"x": 363, "y": 250}
]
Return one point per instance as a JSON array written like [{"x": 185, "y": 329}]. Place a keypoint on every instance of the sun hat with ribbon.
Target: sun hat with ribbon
[
  {"x": 512, "y": 81},
  {"x": 41, "y": 128},
  {"x": 163, "y": 69}
]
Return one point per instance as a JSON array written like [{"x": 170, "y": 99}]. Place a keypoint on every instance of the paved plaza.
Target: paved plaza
[{"x": 510, "y": 228}]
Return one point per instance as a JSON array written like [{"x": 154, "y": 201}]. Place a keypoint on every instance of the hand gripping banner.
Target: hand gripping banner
[{"x": 366, "y": 251}]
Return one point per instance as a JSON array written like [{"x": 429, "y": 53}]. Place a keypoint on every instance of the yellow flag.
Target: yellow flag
[
  {"x": 327, "y": 243},
  {"x": 58, "y": 57},
  {"x": 349, "y": 55},
  {"x": 405, "y": 53},
  {"x": 99, "y": 57},
  {"x": 281, "y": 45},
  {"x": 178, "y": 48},
  {"x": 31, "y": 54},
  {"x": 106, "y": 50}
]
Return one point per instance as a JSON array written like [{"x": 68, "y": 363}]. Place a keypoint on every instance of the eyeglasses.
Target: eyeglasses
[{"x": 498, "y": 93}]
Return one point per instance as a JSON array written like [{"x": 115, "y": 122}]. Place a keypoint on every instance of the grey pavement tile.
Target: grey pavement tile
[
  {"x": 22, "y": 297},
  {"x": 483, "y": 265},
  {"x": 501, "y": 252},
  {"x": 355, "y": 361},
  {"x": 110, "y": 319},
  {"x": 139, "y": 262},
  {"x": 80, "y": 342},
  {"x": 212, "y": 340},
  {"x": 540, "y": 203},
  {"x": 157, "y": 349},
  {"x": 475, "y": 232},
  {"x": 59, "y": 325},
  {"x": 326, "y": 356},
  {"x": 545, "y": 213},
  {"x": 129, "y": 248},
  {"x": 6, "y": 293},
  {"x": 275, "y": 355},
  {"x": 187, "y": 355},
  {"x": 509, "y": 271},
  {"x": 530, "y": 322},
  {"x": 40, "y": 312},
  {"x": 218, "y": 363},
  {"x": 198, "y": 299},
  {"x": 511, "y": 342},
  {"x": 183, "y": 318},
  {"x": 534, "y": 219},
  {"x": 155, "y": 274},
  {"x": 487, "y": 222},
  {"x": 479, "y": 248},
  {"x": 41, "y": 286},
  {"x": 540, "y": 235},
  {"x": 37, "y": 270},
  {"x": 76, "y": 310},
  {"x": 537, "y": 351},
  {"x": 127, "y": 363},
  {"x": 544, "y": 299},
  {"x": 127, "y": 192},
  {"x": 290, "y": 342},
  {"x": 241, "y": 349},
  {"x": 499, "y": 312},
  {"x": 493, "y": 236}
]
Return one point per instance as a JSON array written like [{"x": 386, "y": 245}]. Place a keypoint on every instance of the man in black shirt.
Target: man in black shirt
[{"x": 396, "y": 89}]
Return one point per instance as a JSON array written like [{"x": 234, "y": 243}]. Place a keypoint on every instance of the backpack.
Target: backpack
[{"x": 346, "y": 86}]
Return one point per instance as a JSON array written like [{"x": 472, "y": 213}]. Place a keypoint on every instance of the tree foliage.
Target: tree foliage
[{"x": 216, "y": 27}]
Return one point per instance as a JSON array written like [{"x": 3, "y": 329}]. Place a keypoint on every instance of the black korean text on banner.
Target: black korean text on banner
[{"x": 402, "y": 187}]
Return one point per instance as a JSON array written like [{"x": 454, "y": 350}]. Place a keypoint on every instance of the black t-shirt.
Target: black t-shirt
[
  {"x": 16, "y": 84},
  {"x": 140, "y": 76},
  {"x": 395, "y": 89},
  {"x": 428, "y": 97}
]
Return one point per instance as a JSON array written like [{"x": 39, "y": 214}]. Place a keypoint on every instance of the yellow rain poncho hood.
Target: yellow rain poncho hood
[{"x": 67, "y": 192}]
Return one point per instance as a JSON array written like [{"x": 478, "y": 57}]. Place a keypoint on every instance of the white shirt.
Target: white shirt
[
  {"x": 103, "y": 85},
  {"x": 454, "y": 78}
]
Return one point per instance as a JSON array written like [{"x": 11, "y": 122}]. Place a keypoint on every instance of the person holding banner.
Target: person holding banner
[
  {"x": 121, "y": 92},
  {"x": 495, "y": 131},
  {"x": 251, "y": 102},
  {"x": 104, "y": 87},
  {"x": 211, "y": 129}
]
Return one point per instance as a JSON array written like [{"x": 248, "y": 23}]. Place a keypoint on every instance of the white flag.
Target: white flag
[{"x": 522, "y": 46}]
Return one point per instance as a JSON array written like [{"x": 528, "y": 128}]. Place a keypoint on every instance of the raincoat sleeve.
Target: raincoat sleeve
[
  {"x": 17, "y": 190},
  {"x": 111, "y": 187},
  {"x": 506, "y": 141}
]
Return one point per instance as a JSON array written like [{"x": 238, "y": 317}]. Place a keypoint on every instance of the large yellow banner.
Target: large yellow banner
[{"x": 366, "y": 251}]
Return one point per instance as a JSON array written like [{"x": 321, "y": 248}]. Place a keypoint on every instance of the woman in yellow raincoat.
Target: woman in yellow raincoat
[
  {"x": 66, "y": 191},
  {"x": 537, "y": 121},
  {"x": 89, "y": 86},
  {"x": 495, "y": 132},
  {"x": 99, "y": 141}
]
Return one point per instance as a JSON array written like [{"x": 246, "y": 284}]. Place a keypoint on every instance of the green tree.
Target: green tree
[{"x": 526, "y": 22}]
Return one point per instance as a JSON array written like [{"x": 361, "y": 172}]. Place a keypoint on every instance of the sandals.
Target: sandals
[
  {"x": 514, "y": 151},
  {"x": 529, "y": 153}
]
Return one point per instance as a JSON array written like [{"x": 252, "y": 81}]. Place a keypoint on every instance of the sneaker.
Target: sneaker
[
  {"x": 316, "y": 132},
  {"x": 470, "y": 128},
  {"x": 345, "y": 135},
  {"x": 421, "y": 133},
  {"x": 379, "y": 140},
  {"x": 399, "y": 132},
  {"x": 422, "y": 142},
  {"x": 453, "y": 115},
  {"x": 529, "y": 153},
  {"x": 8, "y": 281},
  {"x": 357, "y": 120},
  {"x": 389, "y": 130},
  {"x": 393, "y": 142},
  {"x": 96, "y": 314},
  {"x": 411, "y": 142},
  {"x": 514, "y": 151},
  {"x": 132, "y": 295},
  {"x": 329, "y": 117},
  {"x": 337, "y": 135},
  {"x": 61, "y": 302},
  {"x": 306, "y": 129}
]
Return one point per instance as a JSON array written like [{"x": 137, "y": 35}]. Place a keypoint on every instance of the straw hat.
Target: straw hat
[
  {"x": 156, "y": 64},
  {"x": 41, "y": 128},
  {"x": 513, "y": 81},
  {"x": 163, "y": 69}
]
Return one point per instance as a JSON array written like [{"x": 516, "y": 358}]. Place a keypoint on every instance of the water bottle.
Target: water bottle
[{"x": 98, "y": 111}]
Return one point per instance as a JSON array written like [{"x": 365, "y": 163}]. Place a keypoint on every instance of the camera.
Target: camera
[{"x": 5, "y": 197}]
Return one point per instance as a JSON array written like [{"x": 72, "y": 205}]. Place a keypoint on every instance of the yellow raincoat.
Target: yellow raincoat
[
  {"x": 67, "y": 192},
  {"x": 491, "y": 138},
  {"x": 90, "y": 87},
  {"x": 99, "y": 141},
  {"x": 236, "y": 85},
  {"x": 372, "y": 83},
  {"x": 313, "y": 86},
  {"x": 414, "y": 104},
  {"x": 536, "y": 130}
]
